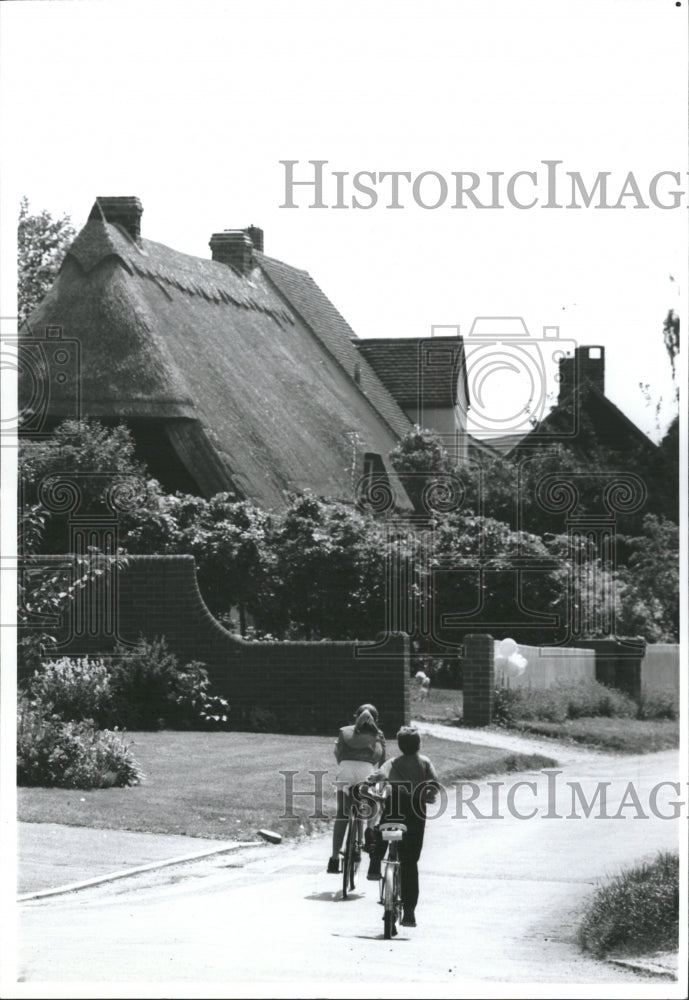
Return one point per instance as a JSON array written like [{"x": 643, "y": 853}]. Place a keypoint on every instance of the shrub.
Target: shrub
[
  {"x": 583, "y": 699},
  {"x": 58, "y": 754},
  {"x": 589, "y": 698},
  {"x": 637, "y": 911},
  {"x": 152, "y": 691},
  {"x": 505, "y": 706},
  {"x": 75, "y": 690},
  {"x": 260, "y": 720},
  {"x": 658, "y": 705},
  {"x": 143, "y": 688}
]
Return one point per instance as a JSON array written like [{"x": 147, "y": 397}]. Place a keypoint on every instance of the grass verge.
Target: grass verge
[
  {"x": 617, "y": 735},
  {"x": 637, "y": 912},
  {"x": 228, "y": 785},
  {"x": 441, "y": 705}
]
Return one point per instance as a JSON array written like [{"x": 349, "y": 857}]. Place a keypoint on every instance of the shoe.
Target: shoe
[
  {"x": 373, "y": 870},
  {"x": 369, "y": 839},
  {"x": 333, "y": 866},
  {"x": 408, "y": 920}
]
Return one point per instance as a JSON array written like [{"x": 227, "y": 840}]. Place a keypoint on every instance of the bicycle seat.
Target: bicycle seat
[{"x": 392, "y": 831}]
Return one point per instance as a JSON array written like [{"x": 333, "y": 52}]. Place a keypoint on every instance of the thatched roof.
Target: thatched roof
[{"x": 252, "y": 375}]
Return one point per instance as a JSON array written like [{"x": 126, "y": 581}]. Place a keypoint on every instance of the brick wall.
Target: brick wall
[
  {"x": 279, "y": 686},
  {"x": 479, "y": 680}
]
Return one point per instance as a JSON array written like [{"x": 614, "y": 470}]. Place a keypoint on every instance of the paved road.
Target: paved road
[{"x": 500, "y": 903}]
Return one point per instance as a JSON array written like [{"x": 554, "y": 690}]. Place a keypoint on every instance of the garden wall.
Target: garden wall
[
  {"x": 548, "y": 666},
  {"x": 276, "y": 686},
  {"x": 660, "y": 668}
]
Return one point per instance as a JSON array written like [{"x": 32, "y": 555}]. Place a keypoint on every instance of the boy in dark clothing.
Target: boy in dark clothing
[{"x": 413, "y": 782}]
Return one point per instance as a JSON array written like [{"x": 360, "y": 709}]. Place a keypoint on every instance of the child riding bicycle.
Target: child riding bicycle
[
  {"x": 358, "y": 748},
  {"x": 413, "y": 782}
]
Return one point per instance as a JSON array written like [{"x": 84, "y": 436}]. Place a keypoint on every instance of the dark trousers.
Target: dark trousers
[{"x": 404, "y": 808}]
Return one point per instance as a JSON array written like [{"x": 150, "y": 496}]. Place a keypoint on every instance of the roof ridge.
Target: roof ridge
[{"x": 165, "y": 266}]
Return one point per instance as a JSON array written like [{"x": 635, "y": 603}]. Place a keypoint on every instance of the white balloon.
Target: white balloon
[
  {"x": 516, "y": 664},
  {"x": 506, "y": 648}
]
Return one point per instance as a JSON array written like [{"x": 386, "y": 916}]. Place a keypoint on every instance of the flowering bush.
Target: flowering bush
[
  {"x": 140, "y": 688},
  {"x": 57, "y": 754},
  {"x": 75, "y": 690}
]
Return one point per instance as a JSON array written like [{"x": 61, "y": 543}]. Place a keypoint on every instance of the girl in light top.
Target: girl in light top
[{"x": 359, "y": 749}]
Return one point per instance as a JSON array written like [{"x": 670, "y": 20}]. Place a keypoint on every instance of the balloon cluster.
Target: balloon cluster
[{"x": 508, "y": 657}]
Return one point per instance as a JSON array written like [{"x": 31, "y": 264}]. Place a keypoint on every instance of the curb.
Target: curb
[
  {"x": 126, "y": 872},
  {"x": 645, "y": 968}
]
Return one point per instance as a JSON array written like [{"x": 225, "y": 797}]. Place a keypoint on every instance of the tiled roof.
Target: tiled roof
[{"x": 420, "y": 372}]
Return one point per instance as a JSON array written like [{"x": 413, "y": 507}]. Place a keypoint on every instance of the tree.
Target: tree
[
  {"x": 649, "y": 592},
  {"x": 499, "y": 579},
  {"x": 418, "y": 459},
  {"x": 671, "y": 339},
  {"x": 42, "y": 242},
  {"x": 330, "y": 571},
  {"x": 525, "y": 492},
  {"x": 95, "y": 459}
]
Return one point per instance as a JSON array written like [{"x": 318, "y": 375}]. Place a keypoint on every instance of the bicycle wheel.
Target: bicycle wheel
[
  {"x": 397, "y": 891},
  {"x": 389, "y": 902},
  {"x": 350, "y": 865}
]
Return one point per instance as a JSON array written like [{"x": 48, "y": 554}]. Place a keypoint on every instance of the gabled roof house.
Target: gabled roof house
[
  {"x": 234, "y": 373},
  {"x": 582, "y": 410}
]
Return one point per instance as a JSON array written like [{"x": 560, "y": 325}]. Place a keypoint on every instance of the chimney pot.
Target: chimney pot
[{"x": 125, "y": 211}]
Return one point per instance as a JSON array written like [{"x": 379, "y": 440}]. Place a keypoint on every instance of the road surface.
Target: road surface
[{"x": 500, "y": 901}]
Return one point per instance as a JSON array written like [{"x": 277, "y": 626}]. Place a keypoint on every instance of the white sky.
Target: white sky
[{"x": 191, "y": 107}]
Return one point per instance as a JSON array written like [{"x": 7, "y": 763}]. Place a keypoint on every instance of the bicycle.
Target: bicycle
[
  {"x": 351, "y": 852},
  {"x": 391, "y": 878}
]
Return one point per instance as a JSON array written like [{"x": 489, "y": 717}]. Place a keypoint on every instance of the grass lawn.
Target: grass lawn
[
  {"x": 228, "y": 785},
  {"x": 442, "y": 705},
  {"x": 622, "y": 735}
]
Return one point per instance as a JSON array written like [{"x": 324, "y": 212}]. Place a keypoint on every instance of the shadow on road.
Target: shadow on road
[
  {"x": 370, "y": 937},
  {"x": 334, "y": 897}
]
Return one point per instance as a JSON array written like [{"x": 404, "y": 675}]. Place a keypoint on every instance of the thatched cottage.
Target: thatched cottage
[{"x": 235, "y": 372}]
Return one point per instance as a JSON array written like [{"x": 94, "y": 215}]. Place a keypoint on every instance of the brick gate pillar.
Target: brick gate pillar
[{"x": 479, "y": 680}]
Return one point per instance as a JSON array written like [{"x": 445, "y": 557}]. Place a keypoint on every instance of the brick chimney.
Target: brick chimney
[
  {"x": 587, "y": 365},
  {"x": 236, "y": 247},
  {"x": 125, "y": 211},
  {"x": 256, "y": 236}
]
